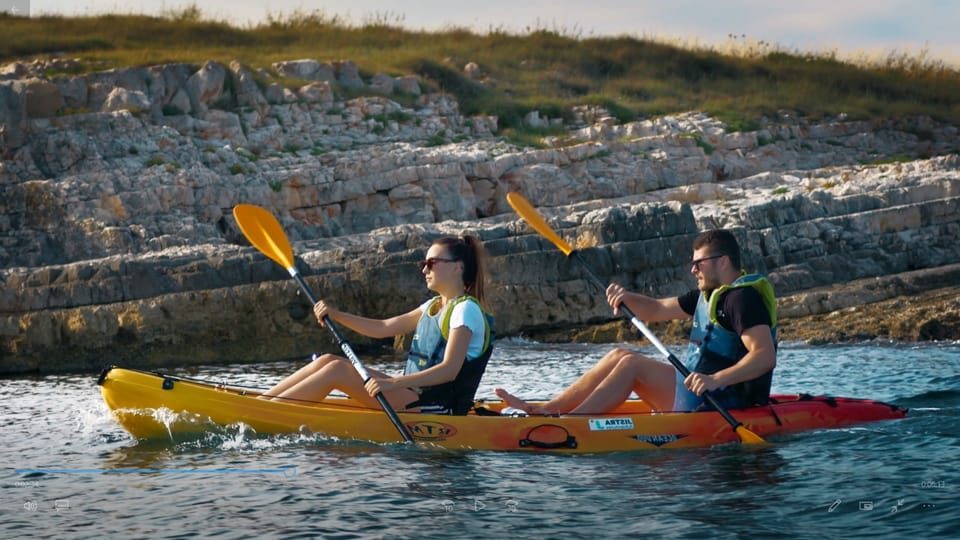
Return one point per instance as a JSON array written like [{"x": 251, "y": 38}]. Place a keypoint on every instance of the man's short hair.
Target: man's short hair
[{"x": 720, "y": 242}]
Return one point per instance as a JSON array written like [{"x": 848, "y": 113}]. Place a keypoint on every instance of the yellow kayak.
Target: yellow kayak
[{"x": 159, "y": 406}]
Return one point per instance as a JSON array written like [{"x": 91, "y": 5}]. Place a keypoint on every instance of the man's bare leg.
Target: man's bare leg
[
  {"x": 653, "y": 381},
  {"x": 571, "y": 397},
  {"x": 517, "y": 403}
]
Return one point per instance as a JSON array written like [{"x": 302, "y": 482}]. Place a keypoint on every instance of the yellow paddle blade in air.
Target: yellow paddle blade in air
[
  {"x": 265, "y": 233},
  {"x": 524, "y": 209}
]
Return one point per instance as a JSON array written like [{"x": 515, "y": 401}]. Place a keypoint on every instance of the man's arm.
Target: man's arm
[
  {"x": 644, "y": 307},
  {"x": 761, "y": 357}
]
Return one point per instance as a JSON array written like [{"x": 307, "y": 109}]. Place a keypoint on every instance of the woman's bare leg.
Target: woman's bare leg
[
  {"x": 316, "y": 380},
  {"x": 300, "y": 375}
]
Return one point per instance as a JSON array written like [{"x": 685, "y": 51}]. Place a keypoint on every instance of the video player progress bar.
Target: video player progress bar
[{"x": 289, "y": 471}]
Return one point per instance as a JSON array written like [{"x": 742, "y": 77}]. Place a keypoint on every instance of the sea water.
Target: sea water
[{"x": 69, "y": 471}]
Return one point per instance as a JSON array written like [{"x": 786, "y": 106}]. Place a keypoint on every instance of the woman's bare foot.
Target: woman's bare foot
[{"x": 517, "y": 403}]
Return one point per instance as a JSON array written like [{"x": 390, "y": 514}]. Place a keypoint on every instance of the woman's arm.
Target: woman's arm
[
  {"x": 375, "y": 328},
  {"x": 453, "y": 358}
]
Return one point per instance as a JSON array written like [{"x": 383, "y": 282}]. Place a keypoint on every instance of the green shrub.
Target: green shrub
[
  {"x": 437, "y": 139},
  {"x": 630, "y": 76},
  {"x": 707, "y": 147}
]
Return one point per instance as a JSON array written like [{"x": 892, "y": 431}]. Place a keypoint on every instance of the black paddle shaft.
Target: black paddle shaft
[{"x": 355, "y": 360}]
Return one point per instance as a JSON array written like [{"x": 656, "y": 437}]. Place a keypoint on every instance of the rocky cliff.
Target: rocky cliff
[{"x": 117, "y": 244}]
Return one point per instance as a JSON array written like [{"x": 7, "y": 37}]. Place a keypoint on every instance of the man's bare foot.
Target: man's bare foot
[
  {"x": 512, "y": 400},
  {"x": 517, "y": 403}
]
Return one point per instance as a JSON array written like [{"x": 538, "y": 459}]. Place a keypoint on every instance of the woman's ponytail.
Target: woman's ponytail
[{"x": 469, "y": 250}]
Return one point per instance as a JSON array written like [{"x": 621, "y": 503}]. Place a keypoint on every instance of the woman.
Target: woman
[{"x": 449, "y": 351}]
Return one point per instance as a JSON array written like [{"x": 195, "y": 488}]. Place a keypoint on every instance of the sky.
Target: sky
[{"x": 873, "y": 28}]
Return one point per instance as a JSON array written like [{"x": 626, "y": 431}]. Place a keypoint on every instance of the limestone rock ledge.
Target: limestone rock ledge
[{"x": 117, "y": 244}]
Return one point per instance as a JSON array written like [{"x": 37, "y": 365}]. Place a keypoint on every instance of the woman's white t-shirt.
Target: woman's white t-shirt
[{"x": 466, "y": 314}]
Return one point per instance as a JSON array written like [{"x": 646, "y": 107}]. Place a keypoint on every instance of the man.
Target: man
[{"x": 732, "y": 349}]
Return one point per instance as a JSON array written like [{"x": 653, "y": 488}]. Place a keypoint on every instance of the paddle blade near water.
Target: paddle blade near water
[
  {"x": 749, "y": 437},
  {"x": 264, "y": 233}
]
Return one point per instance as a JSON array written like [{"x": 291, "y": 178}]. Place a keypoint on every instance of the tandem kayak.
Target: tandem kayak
[{"x": 152, "y": 405}]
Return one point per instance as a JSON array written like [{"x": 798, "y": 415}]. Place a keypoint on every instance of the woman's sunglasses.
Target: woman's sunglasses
[{"x": 428, "y": 264}]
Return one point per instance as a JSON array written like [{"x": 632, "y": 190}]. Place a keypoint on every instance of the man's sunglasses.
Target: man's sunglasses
[
  {"x": 695, "y": 264},
  {"x": 428, "y": 264}
]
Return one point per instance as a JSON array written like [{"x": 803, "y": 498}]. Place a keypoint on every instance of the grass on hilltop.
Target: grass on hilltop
[{"x": 540, "y": 69}]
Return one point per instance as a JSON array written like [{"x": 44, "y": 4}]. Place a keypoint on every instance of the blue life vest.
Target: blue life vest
[
  {"x": 427, "y": 349},
  {"x": 713, "y": 348}
]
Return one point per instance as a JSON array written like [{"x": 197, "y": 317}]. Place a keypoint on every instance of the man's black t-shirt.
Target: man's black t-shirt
[{"x": 738, "y": 310}]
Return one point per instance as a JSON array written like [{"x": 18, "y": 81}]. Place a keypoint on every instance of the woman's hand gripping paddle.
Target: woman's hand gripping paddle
[
  {"x": 525, "y": 210},
  {"x": 265, "y": 233}
]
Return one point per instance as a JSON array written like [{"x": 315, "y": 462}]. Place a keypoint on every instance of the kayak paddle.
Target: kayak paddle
[
  {"x": 529, "y": 214},
  {"x": 265, "y": 233}
]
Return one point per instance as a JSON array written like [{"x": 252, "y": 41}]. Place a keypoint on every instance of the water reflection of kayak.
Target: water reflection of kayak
[{"x": 160, "y": 406}]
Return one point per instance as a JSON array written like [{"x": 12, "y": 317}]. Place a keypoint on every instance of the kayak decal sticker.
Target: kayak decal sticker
[
  {"x": 608, "y": 424},
  {"x": 658, "y": 440},
  {"x": 431, "y": 431}
]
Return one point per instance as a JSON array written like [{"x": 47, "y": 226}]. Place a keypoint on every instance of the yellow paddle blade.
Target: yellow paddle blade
[
  {"x": 524, "y": 209},
  {"x": 265, "y": 233},
  {"x": 749, "y": 437}
]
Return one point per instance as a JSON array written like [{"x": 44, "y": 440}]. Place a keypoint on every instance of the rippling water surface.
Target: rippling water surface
[{"x": 70, "y": 471}]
